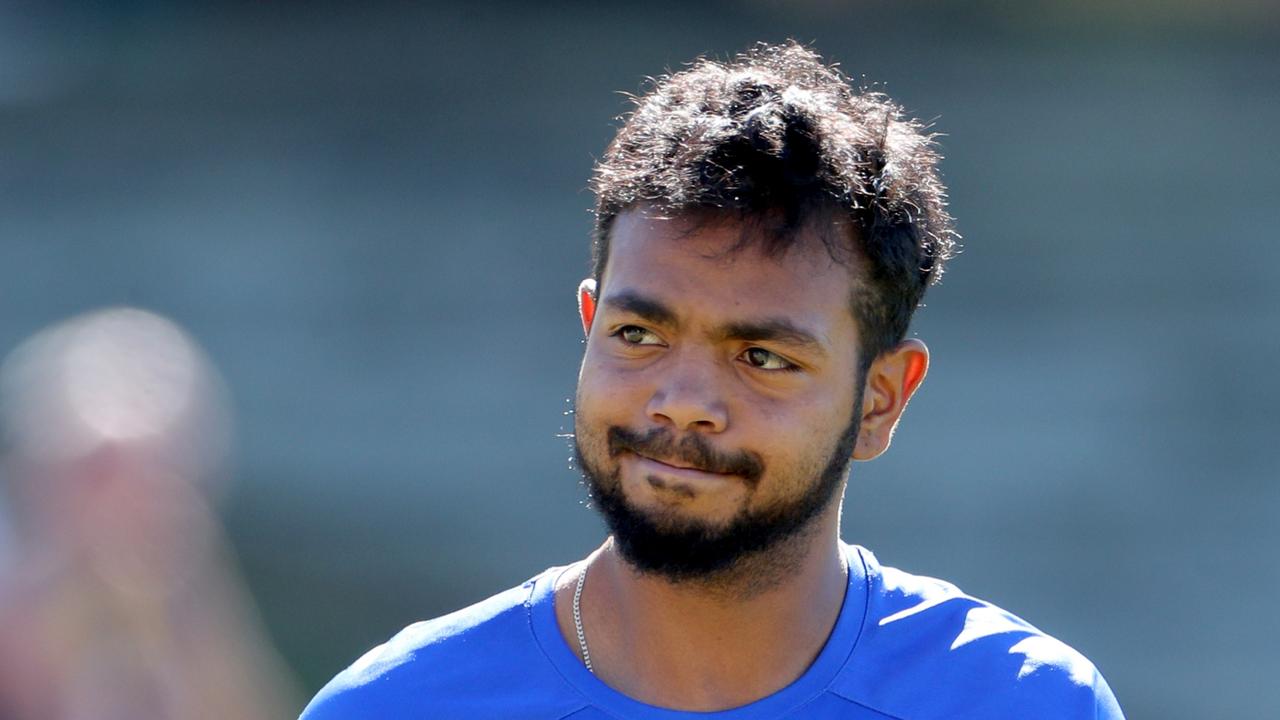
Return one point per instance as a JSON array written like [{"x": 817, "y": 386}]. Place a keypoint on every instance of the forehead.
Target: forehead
[{"x": 719, "y": 266}]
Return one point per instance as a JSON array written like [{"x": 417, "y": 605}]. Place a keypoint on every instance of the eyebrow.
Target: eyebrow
[
  {"x": 630, "y": 301},
  {"x": 777, "y": 329}
]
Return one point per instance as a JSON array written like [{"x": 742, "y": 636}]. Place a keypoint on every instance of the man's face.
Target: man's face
[{"x": 716, "y": 403}]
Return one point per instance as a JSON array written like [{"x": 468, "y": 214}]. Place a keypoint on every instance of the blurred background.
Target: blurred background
[{"x": 364, "y": 223}]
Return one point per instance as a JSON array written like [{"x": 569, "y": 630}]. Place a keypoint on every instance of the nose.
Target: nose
[{"x": 687, "y": 398}]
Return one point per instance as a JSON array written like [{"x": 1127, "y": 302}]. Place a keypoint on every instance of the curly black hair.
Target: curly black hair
[{"x": 781, "y": 140}]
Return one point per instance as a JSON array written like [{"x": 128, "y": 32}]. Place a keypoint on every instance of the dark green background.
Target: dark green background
[{"x": 374, "y": 218}]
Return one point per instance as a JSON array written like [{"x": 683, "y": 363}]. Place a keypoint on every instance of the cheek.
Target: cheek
[
  {"x": 601, "y": 401},
  {"x": 592, "y": 381},
  {"x": 797, "y": 439},
  {"x": 803, "y": 413},
  {"x": 607, "y": 389}
]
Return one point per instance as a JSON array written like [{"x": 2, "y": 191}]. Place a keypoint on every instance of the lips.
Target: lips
[
  {"x": 678, "y": 478},
  {"x": 677, "y": 465},
  {"x": 691, "y": 456}
]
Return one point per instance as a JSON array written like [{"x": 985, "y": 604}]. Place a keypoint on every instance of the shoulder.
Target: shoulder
[
  {"x": 470, "y": 663},
  {"x": 976, "y": 659}
]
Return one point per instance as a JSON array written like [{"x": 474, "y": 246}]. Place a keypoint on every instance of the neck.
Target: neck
[{"x": 710, "y": 644}]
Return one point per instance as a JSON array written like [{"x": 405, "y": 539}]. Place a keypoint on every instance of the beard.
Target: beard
[{"x": 681, "y": 550}]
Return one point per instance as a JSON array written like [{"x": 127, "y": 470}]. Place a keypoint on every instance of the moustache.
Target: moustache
[{"x": 693, "y": 450}]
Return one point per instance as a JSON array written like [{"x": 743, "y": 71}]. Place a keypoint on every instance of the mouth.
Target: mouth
[
  {"x": 690, "y": 458},
  {"x": 676, "y": 464},
  {"x": 676, "y": 476}
]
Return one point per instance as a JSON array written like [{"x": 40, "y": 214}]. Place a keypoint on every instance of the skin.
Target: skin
[{"x": 736, "y": 638}]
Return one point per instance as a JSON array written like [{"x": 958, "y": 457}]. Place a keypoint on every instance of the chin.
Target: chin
[
  {"x": 677, "y": 542},
  {"x": 681, "y": 520},
  {"x": 705, "y": 531},
  {"x": 680, "y": 509}
]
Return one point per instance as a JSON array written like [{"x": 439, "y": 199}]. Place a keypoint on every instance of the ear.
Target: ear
[
  {"x": 891, "y": 381},
  {"x": 587, "y": 304}
]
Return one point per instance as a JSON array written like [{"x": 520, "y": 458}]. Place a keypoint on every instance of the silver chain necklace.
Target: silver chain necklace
[{"x": 577, "y": 619}]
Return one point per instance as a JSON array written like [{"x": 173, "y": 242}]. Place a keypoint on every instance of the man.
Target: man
[{"x": 763, "y": 236}]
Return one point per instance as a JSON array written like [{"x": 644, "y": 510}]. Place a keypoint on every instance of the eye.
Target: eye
[
  {"x": 764, "y": 360},
  {"x": 636, "y": 335}
]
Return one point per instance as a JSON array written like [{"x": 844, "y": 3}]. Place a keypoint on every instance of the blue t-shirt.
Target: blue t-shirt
[{"x": 904, "y": 647}]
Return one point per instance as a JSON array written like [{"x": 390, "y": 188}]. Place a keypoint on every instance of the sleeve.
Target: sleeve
[
  {"x": 342, "y": 703},
  {"x": 1106, "y": 707},
  {"x": 364, "y": 691}
]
